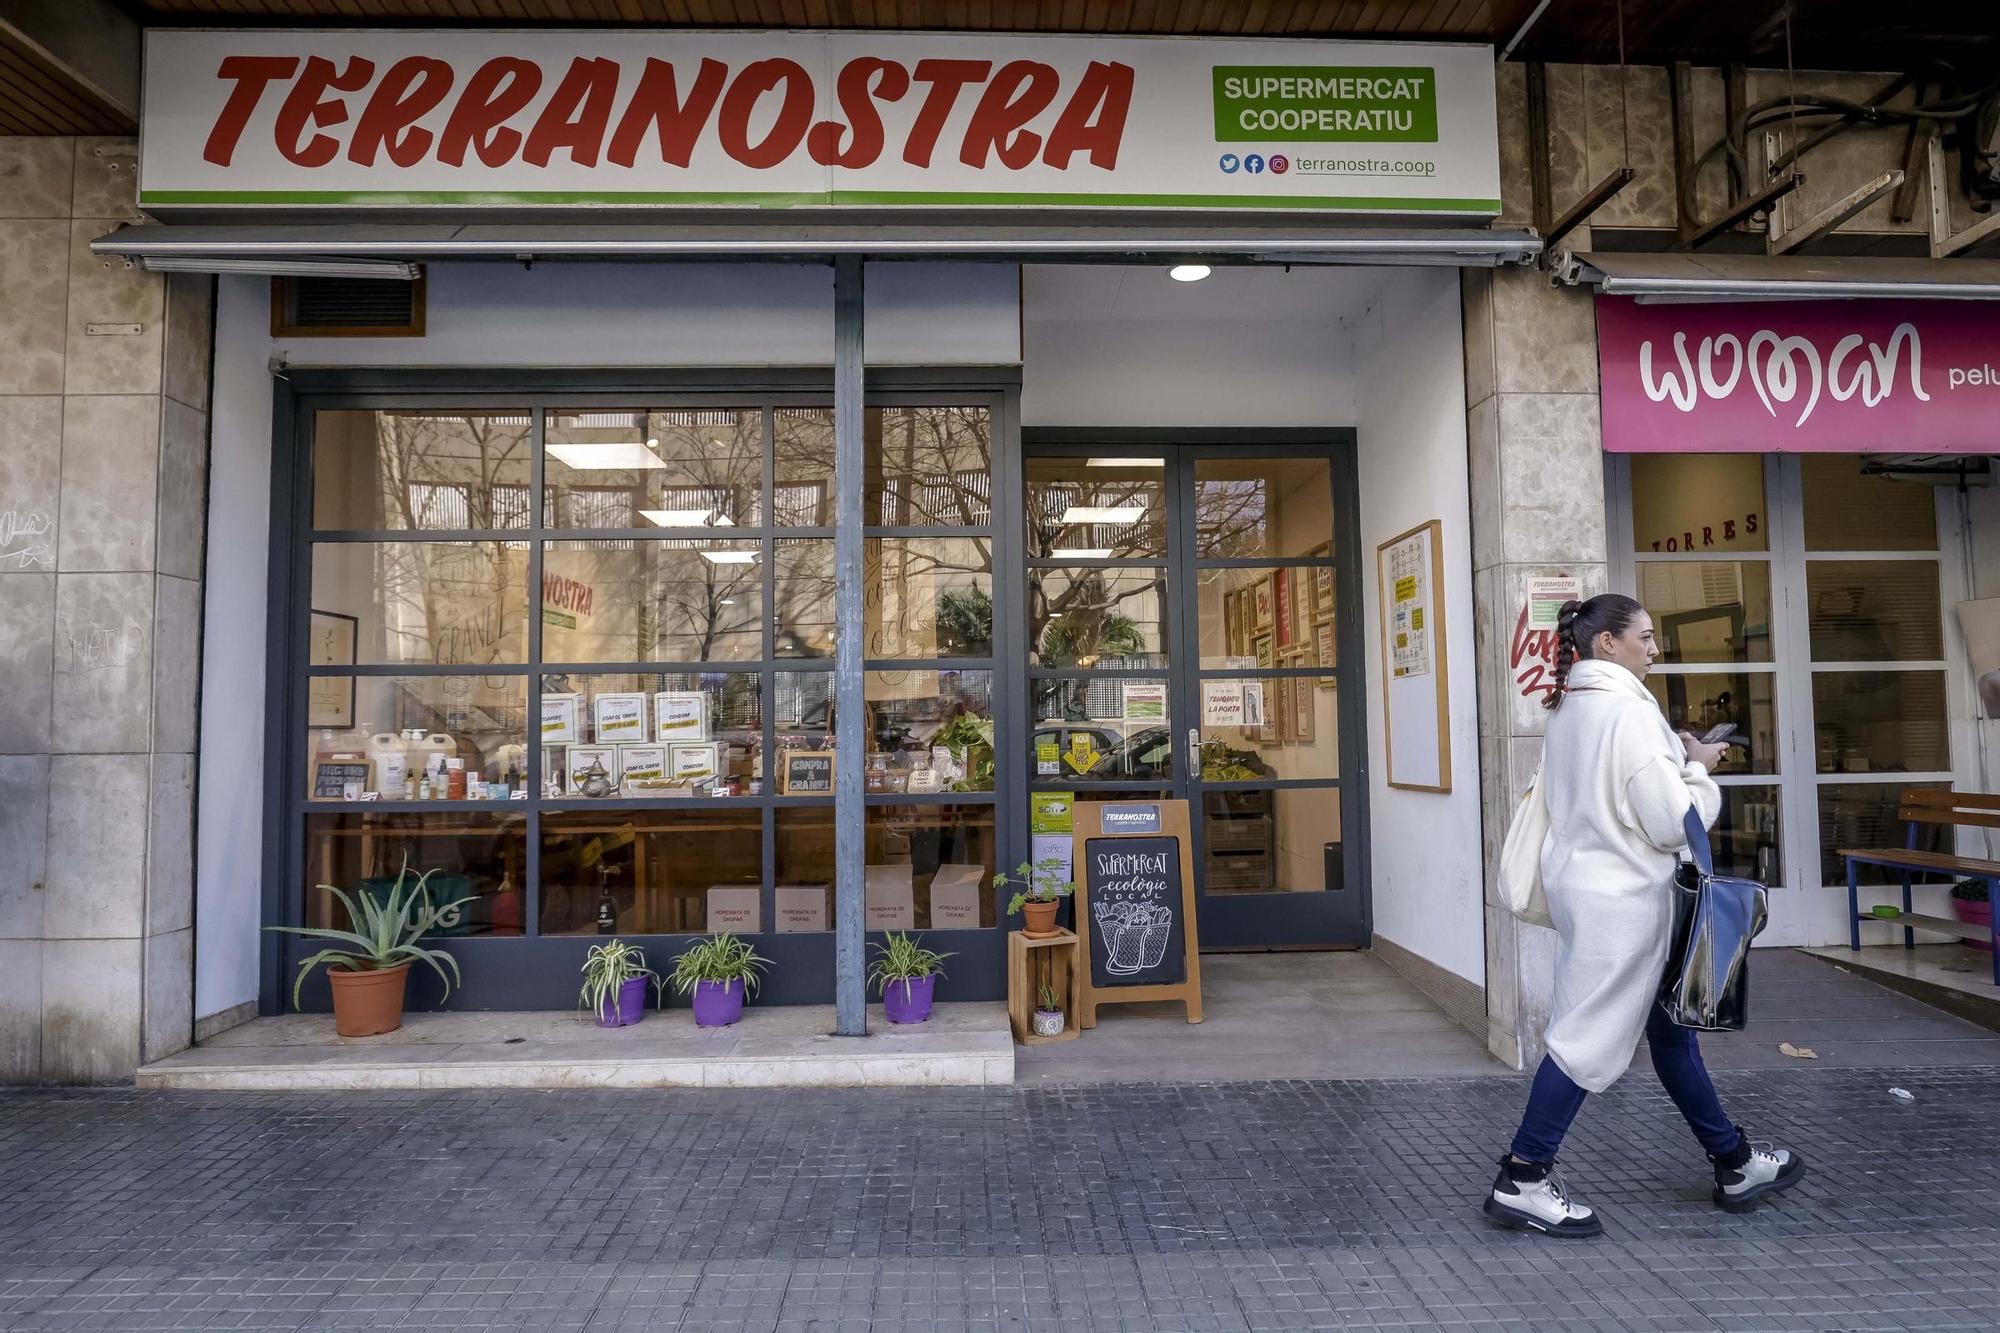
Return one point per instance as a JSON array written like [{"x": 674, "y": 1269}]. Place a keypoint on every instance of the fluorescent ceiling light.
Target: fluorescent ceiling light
[
  {"x": 1188, "y": 272},
  {"x": 676, "y": 518},
  {"x": 279, "y": 267},
  {"x": 730, "y": 557},
  {"x": 1125, "y": 462},
  {"x": 1082, "y": 553},
  {"x": 621, "y": 456},
  {"x": 1076, "y": 515}
]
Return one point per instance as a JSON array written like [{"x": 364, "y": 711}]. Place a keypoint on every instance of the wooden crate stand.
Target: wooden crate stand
[{"x": 1029, "y": 962}]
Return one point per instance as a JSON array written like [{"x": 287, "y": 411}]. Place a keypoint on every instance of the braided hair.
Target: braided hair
[{"x": 1577, "y": 626}]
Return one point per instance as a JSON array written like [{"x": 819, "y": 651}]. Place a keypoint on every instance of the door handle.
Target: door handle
[{"x": 1194, "y": 752}]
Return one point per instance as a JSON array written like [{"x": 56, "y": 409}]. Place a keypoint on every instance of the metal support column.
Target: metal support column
[{"x": 850, "y": 712}]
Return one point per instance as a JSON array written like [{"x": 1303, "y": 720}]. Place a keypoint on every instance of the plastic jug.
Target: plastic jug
[{"x": 388, "y": 763}]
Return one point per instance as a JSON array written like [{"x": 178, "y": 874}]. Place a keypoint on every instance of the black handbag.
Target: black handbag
[{"x": 1707, "y": 982}]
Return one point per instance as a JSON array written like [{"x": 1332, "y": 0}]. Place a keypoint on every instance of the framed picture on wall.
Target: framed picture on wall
[
  {"x": 1304, "y": 705},
  {"x": 1284, "y": 586},
  {"x": 1323, "y": 639},
  {"x": 1265, "y": 656},
  {"x": 330, "y": 699},
  {"x": 1246, "y": 619},
  {"x": 1322, "y": 580},
  {"x": 1264, "y": 601},
  {"x": 1232, "y": 624}
]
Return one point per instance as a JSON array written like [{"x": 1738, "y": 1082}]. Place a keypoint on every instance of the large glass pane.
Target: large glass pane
[
  {"x": 1862, "y": 817},
  {"x": 652, "y": 601},
  {"x": 802, "y": 715},
  {"x": 1266, "y": 617},
  {"x": 1101, "y": 728},
  {"x": 1745, "y": 837},
  {"x": 924, "y": 597},
  {"x": 481, "y": 855},
  {"x": 1271, "y": 841},
  {"x": 1744, "y": 700},
  {"x": 929, "y": 867},
  {"x": 929, "y": 731},
  {"x": 1880, "y": 722},
  {"x": 652, "y": 734},
  {"x": 1849, "y": 510},
  {"x": 1279, "y": 727},
  {"x": 397, "y": 603},
  {"x": 1097, "y": 617},
  {"x": 1708, "y": 610},
  {"x": 383, "y": 737},
  {"x": 1253, "y": 507},
  {"x": 803, "y": 467},
  {"x": 653, "y": 872},
  {"x": 802, "y": 599},
  {"x": 1699, "y": 502},
  {"x": 1875, "y": 610},
  {"x": 677, "y": 468},
  {"x": 398, "y": 469},
  {"x": 927, "y": 466},
  {"x": 1109, "y": 508}
]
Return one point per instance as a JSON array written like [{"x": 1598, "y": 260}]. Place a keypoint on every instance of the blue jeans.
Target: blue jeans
[{"x": 1554, "y": 1100}]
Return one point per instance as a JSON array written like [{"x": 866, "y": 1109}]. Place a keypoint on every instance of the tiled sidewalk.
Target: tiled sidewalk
[{"x": 1286, "y": 1205}]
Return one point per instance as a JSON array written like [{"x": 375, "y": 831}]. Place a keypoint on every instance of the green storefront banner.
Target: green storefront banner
[{"x": 1325, "y": 104}]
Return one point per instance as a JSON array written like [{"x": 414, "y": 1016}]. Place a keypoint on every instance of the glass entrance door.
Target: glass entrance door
[{"x": 1189, "y": 611}]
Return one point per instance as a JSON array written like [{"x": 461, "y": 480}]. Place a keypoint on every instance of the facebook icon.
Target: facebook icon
[{"x": 1253, "y": 163}]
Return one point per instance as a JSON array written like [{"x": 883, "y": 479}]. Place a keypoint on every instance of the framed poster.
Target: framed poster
[
  {"x": 1416, "y": 714},
  {"x": 1265, "y": 656},
  {"x": 1263, "y": 601},
  {"x": 1322, "y": 580},
  {"x": 1323, "y": 638},
  {"x": 1304, "y": 706},
  {"x": 1284, "y": 584},
  {"x": 330, "y": 699}
]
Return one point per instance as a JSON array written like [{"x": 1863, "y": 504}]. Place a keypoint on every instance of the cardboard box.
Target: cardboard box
[
  {"x": 620, "y": 717},
  {"x": 680, "y": 715},
  {"x": 736, "y": 908},
  {"x": 694, "y": 761},
  {"x": 581, "y": 757},
  {"x": 560, "y": 713},
  {"x": 641, "y": 761},
  {"x": 955, "y": 896},
  {"x": 804, "y": 907},
  {"x": 890, "y": 901}
]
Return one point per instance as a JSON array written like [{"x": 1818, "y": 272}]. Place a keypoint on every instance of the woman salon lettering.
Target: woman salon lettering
[{"x": 1780, "y": 369}]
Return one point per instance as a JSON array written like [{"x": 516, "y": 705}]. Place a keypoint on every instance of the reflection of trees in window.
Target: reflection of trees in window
[
  {"x": 1233, "y": 516},
  {"x": 702, "y": 467},
  {"x": 440, "y": 470},
  {"x": 697, "y": 606},
  {"x": 451, "y": 602},
  {"x": 1081, "y": 616}
]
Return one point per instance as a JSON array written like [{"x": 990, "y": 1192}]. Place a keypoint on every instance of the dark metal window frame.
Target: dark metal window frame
[{"x": 539, "y": 971}]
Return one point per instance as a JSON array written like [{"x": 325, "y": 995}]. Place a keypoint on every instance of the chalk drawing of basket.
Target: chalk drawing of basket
[{"x": 1135, "y": 936}]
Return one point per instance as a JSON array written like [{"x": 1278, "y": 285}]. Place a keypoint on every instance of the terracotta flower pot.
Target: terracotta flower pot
[
  {"x": 1040, "y": 917},
  {"x": 366, "y": 1004}
]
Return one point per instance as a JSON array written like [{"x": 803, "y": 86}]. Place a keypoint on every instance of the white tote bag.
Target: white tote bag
[{"x": 1521, "y": 858}]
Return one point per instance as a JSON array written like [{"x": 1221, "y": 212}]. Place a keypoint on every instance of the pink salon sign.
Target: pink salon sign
[{"x": 1800, "y": 376}]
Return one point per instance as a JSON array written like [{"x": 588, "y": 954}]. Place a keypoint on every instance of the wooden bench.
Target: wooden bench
[{"x": 1920, "y": 807}]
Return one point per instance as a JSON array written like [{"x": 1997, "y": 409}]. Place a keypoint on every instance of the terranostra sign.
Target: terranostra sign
[
  {"x": 1799, "y": 376},
  {"x": 652, "y": 118}
]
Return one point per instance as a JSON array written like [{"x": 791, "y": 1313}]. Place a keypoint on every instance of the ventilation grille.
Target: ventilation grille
[{"x": 381, "y": 307}]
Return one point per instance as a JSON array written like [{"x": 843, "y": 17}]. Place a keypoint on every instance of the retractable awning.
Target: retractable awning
[
  {"x": 1684, "y": 277},
  {"x": 269, "y": 247}
]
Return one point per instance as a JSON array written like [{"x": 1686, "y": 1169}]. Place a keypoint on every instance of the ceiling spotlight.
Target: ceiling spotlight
[{"x": 1188, "y": 272}]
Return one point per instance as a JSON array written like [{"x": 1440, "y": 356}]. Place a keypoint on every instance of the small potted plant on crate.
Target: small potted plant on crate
[
  {"x": 614, "y": 983},
  {"x": 1972, "y": 903},
  {"x": 719, "y": 970},
  {"x": 906, "y": 974},
  {"x": 1039, "y": 888},
  {"x": 1048, "y": 1011},
  {"x": 371, "y": 970}
]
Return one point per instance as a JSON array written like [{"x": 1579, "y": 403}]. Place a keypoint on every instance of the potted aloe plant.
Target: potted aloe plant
[
  {"x": 1972, "y": 904},
  {"x": 1039, "y": 888},
  {"x": 906, "y": 974},
  {"x": 1048, "y": 1011},
  {"x": 614, "y": 983},
  {"x": 719, "y": 970},
  {"x": 371, "y": 970}
]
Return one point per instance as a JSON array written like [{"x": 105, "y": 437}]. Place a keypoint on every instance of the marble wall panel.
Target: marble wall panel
[
  {"x": 97, "y": 846},
  {"x": 1648, "y": 201},
  {"x": 170, "y": 844},
  {"x": 91, "y": 1002},
  {"x": 189, "y": 338},
  {"x": 110, "y": 483},
  {"x": 107, "y": 179},
  {"x": 24, "y": 828},
  {"x": 176, "y": 664},
  {"x": 107, "y": 297},
  {"x": 1551, "y": 477},
  {"x": 183, "y": 489},
  {"x": 167, "y": 1023},
  {"x": 34, "y": 176},
  {"x": 1544, "y": 338},
  {"x": 30, "y": 486},
  {"x": 1476, "y": 302},
  {"x": 34, "y": 276},
  {"x": 103, "y": 664},
  {"x": 20, "y": 1011},
  {"x": 27, "y": 661}
]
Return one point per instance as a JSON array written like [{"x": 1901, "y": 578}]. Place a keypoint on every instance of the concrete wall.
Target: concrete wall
[{"x": 103, "y": 454}]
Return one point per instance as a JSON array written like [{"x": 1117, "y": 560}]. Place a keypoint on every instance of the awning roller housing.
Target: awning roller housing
[{"x": 1685, "y": 277}]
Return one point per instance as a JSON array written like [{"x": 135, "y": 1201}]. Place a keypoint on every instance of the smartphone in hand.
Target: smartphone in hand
[{"x": 1724, "y": 733}]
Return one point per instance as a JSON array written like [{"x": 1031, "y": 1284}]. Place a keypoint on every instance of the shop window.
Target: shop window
[
  {"x": 1103, "y": 617},
  {"x": 479, "y": 856},
  {"x": 1110, "y": 508},
  {"x": 652, "y": 872},
  {"x": 1709, "y": 610},
  {"x": 1684, "y": 504},
  {"x": 1262, "y": 508},
  {"x": 1098, "y": 728},
  {"x": 405, "y": 470},
  {"x": 1875, "y": 610},
  {"x": 432, "y": 603},
  {"x": 1849, "y": 509}
]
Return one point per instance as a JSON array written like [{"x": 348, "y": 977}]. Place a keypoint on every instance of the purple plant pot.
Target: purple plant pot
[
  {"x": 717, "y": 1004},
  {"x": 1975, "y": 914},
  {"x": 909, "y": 1001},
  {"x": 627, "y": 1007}
]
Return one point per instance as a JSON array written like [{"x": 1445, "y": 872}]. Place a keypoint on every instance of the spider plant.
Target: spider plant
[
  {"x": 608, "y": 966},
  {"x": 721, "y": 959},
  {"x": 385, "y": 932},
  {"x": 902, "y": 958}
]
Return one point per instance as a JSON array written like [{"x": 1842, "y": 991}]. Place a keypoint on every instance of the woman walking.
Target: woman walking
[{"x": 1619, "y": 783}]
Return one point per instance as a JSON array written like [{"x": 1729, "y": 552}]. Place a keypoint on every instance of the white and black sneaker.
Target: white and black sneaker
[
  {"x": 1753, "y": 1171},
  {"x": 1532, "y": 1198}
]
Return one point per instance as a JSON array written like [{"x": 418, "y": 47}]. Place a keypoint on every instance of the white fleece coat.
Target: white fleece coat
[{"x": 1618, "y": 784}]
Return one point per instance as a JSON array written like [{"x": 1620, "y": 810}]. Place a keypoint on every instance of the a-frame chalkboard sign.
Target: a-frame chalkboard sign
[{"x": 1134, "y": 869}]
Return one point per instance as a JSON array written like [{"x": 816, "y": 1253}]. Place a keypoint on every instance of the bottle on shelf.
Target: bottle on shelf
[{"x": 607, "y": 906}]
